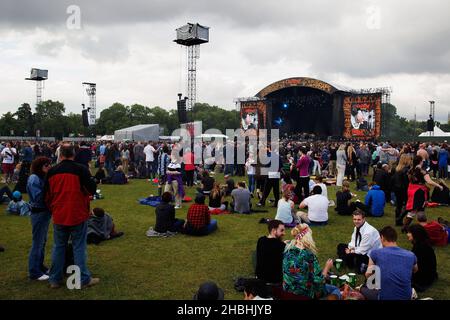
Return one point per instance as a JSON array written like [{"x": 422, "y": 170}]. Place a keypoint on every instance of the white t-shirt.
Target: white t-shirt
[
  {"x": 148, "y": 150},
  {"x": 317, "y": 208},
  {"x": 8, "y": 155},
  {"x": 284, "y": 211}
]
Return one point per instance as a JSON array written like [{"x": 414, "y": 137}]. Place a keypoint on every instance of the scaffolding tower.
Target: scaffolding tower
[{"x": 91, "y": 90}]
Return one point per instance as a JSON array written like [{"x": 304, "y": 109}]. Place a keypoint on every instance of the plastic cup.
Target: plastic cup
[
  {"x": 338, "y": 264},
  {"x": 352, "y": 279},
  {"x": 334, "y": 280},
  {"x": 342, "y": 280}
]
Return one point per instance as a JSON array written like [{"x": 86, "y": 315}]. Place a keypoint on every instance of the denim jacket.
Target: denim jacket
[{"x": 35, "y": 190}]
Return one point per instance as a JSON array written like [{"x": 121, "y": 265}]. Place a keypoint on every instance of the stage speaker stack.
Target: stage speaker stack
[
  {"x": 182, "y": 115},
  {"x": 84, "y": 115},
  {"x": 430, "y": 125}
]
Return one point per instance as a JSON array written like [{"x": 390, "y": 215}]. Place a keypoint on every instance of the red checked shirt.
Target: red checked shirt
[{"x": 198, "y": 216}]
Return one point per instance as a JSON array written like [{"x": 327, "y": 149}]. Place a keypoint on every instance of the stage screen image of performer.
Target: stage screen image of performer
[
  {"x": 363, "y": 119},
  {"x": 249, "y": 119}
]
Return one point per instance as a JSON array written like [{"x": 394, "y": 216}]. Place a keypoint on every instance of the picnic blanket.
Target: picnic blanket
[
  {"x": 153, "y": 234},
  {"x": 154, "y": 201},
  {"x": 218, "y": 211}
]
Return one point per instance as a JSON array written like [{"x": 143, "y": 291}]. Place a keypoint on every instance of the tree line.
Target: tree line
[{"x": 50, "y": 119}]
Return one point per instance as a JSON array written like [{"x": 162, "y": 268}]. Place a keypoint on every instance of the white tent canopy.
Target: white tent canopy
[
  {"x": 436, "y": 133},
  {"x": 209, "y": 136},
  {"x": 106, "y": 138},
  {"x": 142, "y": 132}
]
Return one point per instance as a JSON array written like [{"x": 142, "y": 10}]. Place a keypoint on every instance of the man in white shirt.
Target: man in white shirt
[
  {"x": 8, "y": 153},
  {"x": 365, "y": 238},
  {"x": 317, "y": 208},
  {"x": 149, "y": 158}
]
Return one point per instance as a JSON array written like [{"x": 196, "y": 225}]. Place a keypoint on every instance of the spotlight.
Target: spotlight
[
  {"x": 279, "y": 121},
  {"x": 285, "y": 106}
]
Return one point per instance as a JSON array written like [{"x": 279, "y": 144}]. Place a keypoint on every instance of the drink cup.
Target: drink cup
[
  {"x": 334, "y": 280},
  {"x": 352, "y": 279},
  {"x": 342, "y": 280},
  {"x": 338, "y": 264}
]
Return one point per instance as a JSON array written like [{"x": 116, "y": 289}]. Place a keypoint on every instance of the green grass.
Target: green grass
[{"x": 137, "y": 267}]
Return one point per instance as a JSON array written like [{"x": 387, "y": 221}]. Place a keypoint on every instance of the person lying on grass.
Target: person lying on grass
[{"x": 101, "y": 227}]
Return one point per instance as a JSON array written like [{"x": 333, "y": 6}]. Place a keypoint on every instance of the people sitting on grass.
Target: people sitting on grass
[
  {"x": 302, "y": 275},
  {"x": 217, "y": 198},
  {"x": 375, "y": 201},
  {"x": 100, "y": 227},
  {"x": 365, "y": 238},
  {"x": 118, "y": 176},
  {"x": 18, "y": 206},
  {"x": 317, "y": 208},
  {"x": 7, "y": 190},
  {"x": 229, "y": 184},
  {"x": 344, "y": 204},
  {"x": 361, "y": 184},
  {"x": 255, "y": 289},
  {"x": 241, "y": 199},
  {"x": 395, "y": 267},
  {"x": 318, "y": 181},
  {"x": 100, "y": 175},
  {"x": 438, "y": 231},
  {"x": 165, "y": 216},
  {"x": 285, "y": 209},
  {"x": 426, "y": 258},
  {"x": 269, "y": 254},
  {"x": 207, "y": 183},
  {"x": 198, "y": 220}
]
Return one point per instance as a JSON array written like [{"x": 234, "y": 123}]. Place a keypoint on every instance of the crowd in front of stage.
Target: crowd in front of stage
[{"x": 404, "y": 175}]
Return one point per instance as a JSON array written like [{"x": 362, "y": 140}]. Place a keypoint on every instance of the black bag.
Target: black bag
[{"x": 441, "y": 197}]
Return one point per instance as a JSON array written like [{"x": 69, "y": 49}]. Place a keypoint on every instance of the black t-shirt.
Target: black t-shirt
[
  {"x": 208, "y": 183},
  {"x": 165, "y": 217},
  {"x": 230, "y": 186},
  {"x": 426, "y": 261},
  {"x": 215, "y": 202},
  {"x": 269, "y": 259},
  {"x": 342, "y": 199}
]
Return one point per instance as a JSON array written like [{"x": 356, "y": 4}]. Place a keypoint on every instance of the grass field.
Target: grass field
[{"x": 137, "y": 267}]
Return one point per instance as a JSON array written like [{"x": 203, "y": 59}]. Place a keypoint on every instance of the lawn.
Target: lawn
[{"x": 137, "y": 267}]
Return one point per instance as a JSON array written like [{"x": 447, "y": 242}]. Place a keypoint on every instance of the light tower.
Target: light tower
[
  {"x": 91, "y": 90},
  {"x": 432, "y": 110},
  {"x": 39, "y": 76},
  {"x": 192, "y": 36}
]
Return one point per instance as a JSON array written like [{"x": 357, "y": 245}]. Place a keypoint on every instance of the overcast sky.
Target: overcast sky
[{"x": 127, "y": 48}]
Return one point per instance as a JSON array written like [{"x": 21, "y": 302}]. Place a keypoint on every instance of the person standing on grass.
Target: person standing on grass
[
  {"x": 40, "y": 218},
  {"x": 68, "y": 188},
  {"x": 149, "y": 151},
  {"x": 8, "y": 153}
]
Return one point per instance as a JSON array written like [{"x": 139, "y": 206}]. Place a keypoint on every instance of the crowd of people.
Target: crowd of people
[{"x": 59, "y": 180}]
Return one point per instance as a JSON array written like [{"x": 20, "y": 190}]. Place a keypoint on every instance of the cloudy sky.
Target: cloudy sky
[{"x": 126, "y": 47}]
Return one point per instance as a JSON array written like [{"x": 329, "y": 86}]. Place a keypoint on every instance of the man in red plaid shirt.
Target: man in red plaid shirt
[{"x": 199, "y": 220}]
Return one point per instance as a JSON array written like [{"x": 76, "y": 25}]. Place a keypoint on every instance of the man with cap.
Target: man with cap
[{"x": 209, "y": 291}]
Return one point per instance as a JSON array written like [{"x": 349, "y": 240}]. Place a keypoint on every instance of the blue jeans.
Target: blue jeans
[
  {"x": 329, "y": 289},
  {"x": 251, "y": 183},
  {"x": 109, "y": 166},
  {"x": 210, "y": 228},
  {"x": 61, "y": 235},
  {"x": 39, "y": 229},
  {"x": 229, "y": 169}
]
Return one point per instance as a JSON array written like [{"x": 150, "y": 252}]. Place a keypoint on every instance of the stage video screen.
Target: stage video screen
[
  {"x": 363, "y": 119},
  {"x": 249, "y": 119}
]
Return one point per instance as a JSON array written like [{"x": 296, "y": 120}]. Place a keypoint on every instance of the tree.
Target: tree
[
  {"x": 25, "y": 119},
  {"x": 8, "y": 123},
  {"x": 49, "y": 119}
]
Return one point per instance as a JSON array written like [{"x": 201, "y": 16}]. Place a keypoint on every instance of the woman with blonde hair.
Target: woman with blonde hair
[
  {"x": 341, "y": 161},
  {"x": 351, "y": 163},
  {"x": 216, "y": 198},
  {"x": 302, "y": 274},
  {"x": 400, "y": 184}
]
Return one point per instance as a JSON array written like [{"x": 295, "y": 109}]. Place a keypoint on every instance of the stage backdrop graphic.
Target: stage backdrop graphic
[
  {"x": 362, "y": 116},
  {"x": 253, "y": 116}
]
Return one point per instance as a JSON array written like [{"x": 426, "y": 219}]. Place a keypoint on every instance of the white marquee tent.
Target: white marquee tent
[
  {"x": 436, "y": 133},
  {"x": 142, "y": 132}
]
